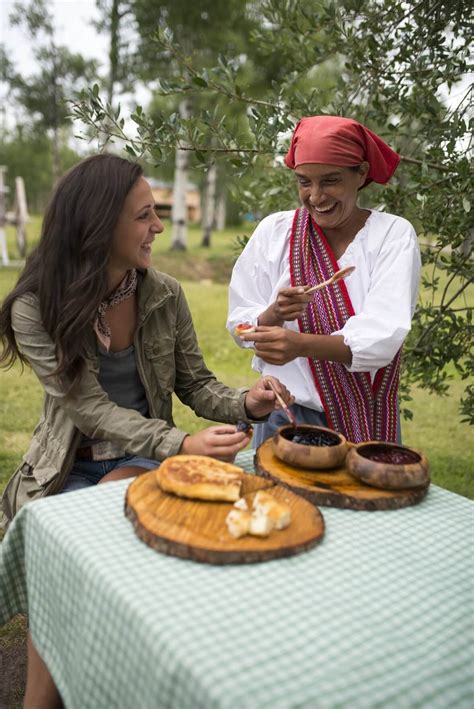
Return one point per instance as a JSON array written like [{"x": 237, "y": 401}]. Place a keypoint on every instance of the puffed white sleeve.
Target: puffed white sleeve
[
  {"x": 376, "y": 333},
  {"x": 257, "y": 273}
]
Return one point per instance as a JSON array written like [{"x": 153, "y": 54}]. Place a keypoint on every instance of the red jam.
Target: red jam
[{"x": 393, "y": 455}]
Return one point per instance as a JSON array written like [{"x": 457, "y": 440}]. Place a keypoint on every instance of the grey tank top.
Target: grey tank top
[{"x": 119, "y": 378}]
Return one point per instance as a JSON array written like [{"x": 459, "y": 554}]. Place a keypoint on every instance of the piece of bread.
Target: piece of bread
[
  {"x": 238, "y": 522},
  {"x": 244, "y": 328},
  {"x": 200, "y": 477},
  {"x": 267, "y": 514},
  {"x": 278, "y": 512},
  {"x": 260, "y": 525}
]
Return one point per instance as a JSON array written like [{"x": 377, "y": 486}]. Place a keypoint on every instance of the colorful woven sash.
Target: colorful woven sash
[{"x": 358, "y": 408}]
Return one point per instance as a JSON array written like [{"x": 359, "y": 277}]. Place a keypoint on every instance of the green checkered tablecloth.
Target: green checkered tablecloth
[{"x": 379, "y": 614}]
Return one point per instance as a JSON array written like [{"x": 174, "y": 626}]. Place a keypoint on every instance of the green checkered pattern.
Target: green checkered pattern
[{"x": 380, "y": 613}]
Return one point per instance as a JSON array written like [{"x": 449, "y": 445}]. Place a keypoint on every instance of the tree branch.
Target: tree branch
[
  {"x": 441, "y": 311},
  {"x": 214, "y": 85},
  {"x": 435, "y": 166}
]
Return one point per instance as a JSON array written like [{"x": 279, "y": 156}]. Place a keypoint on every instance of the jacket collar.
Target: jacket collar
[{"x": 153, "y": 291}]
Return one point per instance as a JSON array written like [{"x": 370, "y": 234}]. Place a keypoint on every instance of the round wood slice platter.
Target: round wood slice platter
[
  {"x": 196, "y": 529},
  {"x": 332, "y": 488}
]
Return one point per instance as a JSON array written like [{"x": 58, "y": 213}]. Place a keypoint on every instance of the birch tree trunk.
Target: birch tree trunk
[
  {"x": 210, "y": 204},
  {"x": 21, "y": 215},
  {"x": 220, "y": 211},
  {"x": 178, "y": 212}
]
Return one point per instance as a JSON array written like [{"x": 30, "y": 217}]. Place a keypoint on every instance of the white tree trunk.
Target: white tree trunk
[
  {"x": 3, "y": 247},
  {"x": 220, "y": 212},
  {"x": 178, "y": 212},
  {"x": 21, "y": 215},
  {"x": 210, "y": 204}
]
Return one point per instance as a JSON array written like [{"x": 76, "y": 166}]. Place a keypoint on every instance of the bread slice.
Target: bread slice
[
  {"x": 200, "y": 477},
  {"x": 244, "y": 328},
  {"x": 278, "y": 512},
  {"x": 238, "y": 522},
  {"x": 260, "y": 524}
]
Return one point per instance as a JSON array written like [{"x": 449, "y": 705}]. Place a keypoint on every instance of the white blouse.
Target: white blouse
[{"x": 383, "y": 290}]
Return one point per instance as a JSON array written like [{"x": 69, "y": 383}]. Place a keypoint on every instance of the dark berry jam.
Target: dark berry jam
[
  {"x": 387, "y": 454},
  {"x": 243, "y": 426},
  {"x": 310, "y": 437}
]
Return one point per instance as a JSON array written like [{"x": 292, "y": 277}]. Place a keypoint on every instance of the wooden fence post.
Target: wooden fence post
[{"x": 3, "y": 217}]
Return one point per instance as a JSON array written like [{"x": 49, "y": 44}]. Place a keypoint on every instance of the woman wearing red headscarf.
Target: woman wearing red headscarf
[{"x": 336, "y": 349}]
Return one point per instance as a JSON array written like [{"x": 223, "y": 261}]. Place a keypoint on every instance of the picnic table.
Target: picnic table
[{"x": 379, "y": 613}]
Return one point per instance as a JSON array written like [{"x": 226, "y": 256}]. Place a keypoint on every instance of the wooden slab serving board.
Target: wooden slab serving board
[
  {"x": 332, "y": 488},
  {"x": 196, "y": 529}
]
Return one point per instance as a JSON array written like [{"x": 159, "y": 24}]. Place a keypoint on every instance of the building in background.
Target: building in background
[{"x": 163, "y": 196}]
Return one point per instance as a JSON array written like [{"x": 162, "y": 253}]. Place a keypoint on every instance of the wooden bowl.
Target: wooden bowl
[
  {"x": 309, "y": 456},
  {"x": 388, "y": 466}
]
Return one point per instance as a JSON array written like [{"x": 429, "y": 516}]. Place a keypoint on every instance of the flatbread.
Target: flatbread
[
  {"x": 244, "y": 328},
  {"x": 200, "y": 477}
]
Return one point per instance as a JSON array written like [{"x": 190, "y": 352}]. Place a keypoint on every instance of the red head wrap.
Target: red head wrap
[{"x": 332, "y": 140}]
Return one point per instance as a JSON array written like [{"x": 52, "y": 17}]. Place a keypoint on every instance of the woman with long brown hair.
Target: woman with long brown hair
[{"x": 110, "y": 340}]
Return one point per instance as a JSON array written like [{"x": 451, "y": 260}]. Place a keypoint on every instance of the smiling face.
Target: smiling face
[
  {"x": 135, "y": 230},
  {"x": 330, "y": 192}
]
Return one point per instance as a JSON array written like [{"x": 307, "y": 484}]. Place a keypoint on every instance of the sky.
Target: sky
[
  {"x": 73, "y": 29},
  {"x": 72, "y": 18}
]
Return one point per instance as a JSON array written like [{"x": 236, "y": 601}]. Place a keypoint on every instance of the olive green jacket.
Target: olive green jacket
[{"x": 168, "y": 359}]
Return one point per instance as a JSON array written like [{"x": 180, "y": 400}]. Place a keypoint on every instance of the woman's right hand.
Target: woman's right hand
[
  {"x": 290, "y": 304},
  {"x": 221, "y": 442}
]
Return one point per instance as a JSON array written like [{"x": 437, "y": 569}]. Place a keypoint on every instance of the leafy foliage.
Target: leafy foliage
[
  {"x": 114, "y": 20},
  {"x": 43, "y": 94},
  {"x": 28, "y": 154},
  {"x": 389, "y": 65}
]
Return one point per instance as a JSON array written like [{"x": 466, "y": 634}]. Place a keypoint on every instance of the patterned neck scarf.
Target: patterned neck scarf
[{"x": 124, "y": 290}]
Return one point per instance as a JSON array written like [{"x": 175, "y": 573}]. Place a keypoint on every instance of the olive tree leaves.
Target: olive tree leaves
[{"x": 399, "y": 68}]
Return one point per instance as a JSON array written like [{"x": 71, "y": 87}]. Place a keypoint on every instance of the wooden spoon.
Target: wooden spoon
[
  {"x": 282, "y": 403},
  {"x": 334, "y": 278}
]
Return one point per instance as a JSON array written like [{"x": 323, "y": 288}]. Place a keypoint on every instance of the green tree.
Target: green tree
[
  {"x": 60, "y": 73},
  {"x": 396, "y": 63},
  {"x": 27, "y": 153},
  {"x": 115, "y": 20},
  {"x": 210, "y": 28}
]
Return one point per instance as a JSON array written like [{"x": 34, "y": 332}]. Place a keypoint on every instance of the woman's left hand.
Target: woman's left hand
[
  {"x": 261, "y": 400},
  {"x": 275, "y": 345}
]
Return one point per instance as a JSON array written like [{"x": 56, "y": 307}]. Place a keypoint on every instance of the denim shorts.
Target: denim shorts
[{"x": 86, "y": 473}]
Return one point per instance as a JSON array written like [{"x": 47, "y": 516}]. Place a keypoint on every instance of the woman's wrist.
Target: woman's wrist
[
  {"x": 250, "y": 415},
  {"x": 325, "y": 347},
  {"x": 270, "y": 318},
  {"x": 184, "y": 448}
]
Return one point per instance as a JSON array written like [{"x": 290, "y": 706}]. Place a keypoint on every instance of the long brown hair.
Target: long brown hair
[{"x": 68, "y": 269}]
